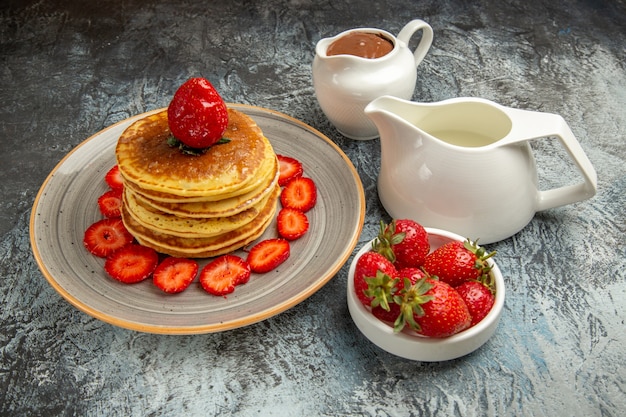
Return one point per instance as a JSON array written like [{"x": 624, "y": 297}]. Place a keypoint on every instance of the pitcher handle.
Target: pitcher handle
[
  {"x": 534, "y": 125},
  {"x": 427, "y": 38}
]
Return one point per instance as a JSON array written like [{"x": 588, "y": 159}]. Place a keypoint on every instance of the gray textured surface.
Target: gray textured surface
[{"x": 67, "y": 71}]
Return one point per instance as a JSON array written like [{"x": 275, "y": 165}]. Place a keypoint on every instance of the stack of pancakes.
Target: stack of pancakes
[{"x": 197, "y": 205}]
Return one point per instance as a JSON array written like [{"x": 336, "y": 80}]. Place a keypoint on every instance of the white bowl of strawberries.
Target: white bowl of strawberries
[{"x": 425, "y": 294}]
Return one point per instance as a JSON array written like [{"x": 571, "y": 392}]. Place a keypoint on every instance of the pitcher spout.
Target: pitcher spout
[
  {"x": 391, "y": 106},
  {"x": 394, "y": 117}
]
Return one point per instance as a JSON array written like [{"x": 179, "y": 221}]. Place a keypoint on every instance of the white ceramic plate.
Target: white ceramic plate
[{"x": 67, "y": 204}]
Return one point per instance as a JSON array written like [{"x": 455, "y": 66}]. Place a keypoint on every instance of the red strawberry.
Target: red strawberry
[
  {"x": 292, "y": 224},
  {"x": 223, "y": 274},
  {"x": 457, "y": 262},
  {"x": 478, "y": 297},
  {"x": 110, "y": 203},
  {"x": 374, "y": 265},
  {"x": 174, "y": 275},
  {"x": 390, "y": 316},
  {"x": 290, "y": 168},
  {"x": 114, "y": 178},
  {"x": 300, "y": 194},
  {"x": 404, "y": 242},
  {"x": 433, "y": 308},
  {"x": 197, "y": 115},
  {"x": 268, "y": 254},
  {"x": 106, "y": 236},
  {"x": 131, "y": 264}
]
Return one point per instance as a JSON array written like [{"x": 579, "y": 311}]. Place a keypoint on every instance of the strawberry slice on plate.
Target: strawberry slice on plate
[
  {"x": 290, "y": 168},
  {"x": 114, "y": 179},
  {"x": 110, "y": 203},
  {"x": 106, "y": 236},
  {"x": 300, "y": 194},
  {"x": 292, "y": 224},
  {"x": 268, "y": 254},
  {"x": 223, "y": 274},
  {"x": 174, "y": 275},
  {"x": 131, "y": 264}
]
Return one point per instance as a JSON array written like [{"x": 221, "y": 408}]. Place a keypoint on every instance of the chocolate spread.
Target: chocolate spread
[{"x": 363, "y": 44}]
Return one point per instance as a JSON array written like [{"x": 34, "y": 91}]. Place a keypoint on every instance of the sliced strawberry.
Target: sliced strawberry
[
  {"x": 300, "y": 194},
  {"x": 131, "y": 264},
  {"x": 174, "y": 275},
  {"x": 114, "y": 178},
  {"x": 223, "y": 274},
  {"x": 268, "y": 254},
  {"x": 106, "y": 236},
  {"x": 292, "y": 224},
  {"x": 110, "y": 203},
  {"x": 290, "y": 168}
]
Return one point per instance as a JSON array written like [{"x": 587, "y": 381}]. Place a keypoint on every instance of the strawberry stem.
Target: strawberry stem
[
  {"x": 381, "y": 289},
  {"x": 410, "y": 300},
  {"x": 481, "y": 262},
  {"x": 386, "y": 239},
  {"x": 174, "y": 142}
]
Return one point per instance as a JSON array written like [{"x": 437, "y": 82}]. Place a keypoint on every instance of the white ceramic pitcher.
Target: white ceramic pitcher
[
  {"x": 344, "y": 84},
  {"x": 466, "y": 165}
]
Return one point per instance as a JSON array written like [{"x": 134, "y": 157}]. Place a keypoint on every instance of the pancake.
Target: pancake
[
  {"x": 197, "y": 205},
  {"x": 270, "y": 167},
  {"x": 204, "y": 247},
  {"x": 225, "y": 170},
  {"x": 210, "y": 209},
  {"x": 187, "y": 226}
]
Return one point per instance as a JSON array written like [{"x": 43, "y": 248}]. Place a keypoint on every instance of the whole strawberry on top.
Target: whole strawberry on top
[
  {"x": 404, "y": 242},
  {"x": 457, "y": 262},
  {"x": 197, "y": 115}
]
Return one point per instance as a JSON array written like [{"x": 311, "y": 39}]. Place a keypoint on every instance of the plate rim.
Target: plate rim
[{"x": 211, "y": 327}]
